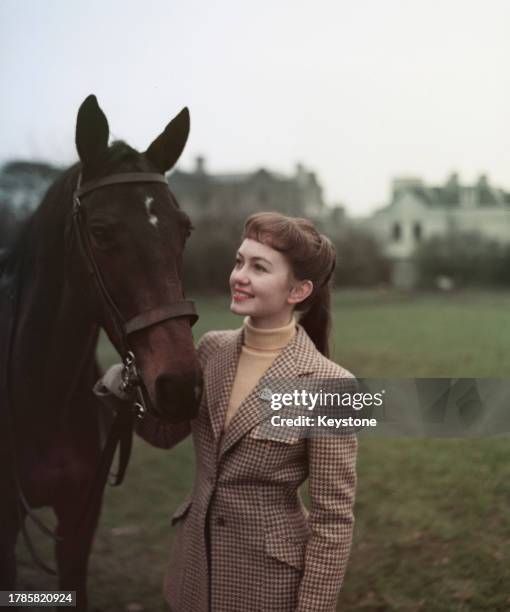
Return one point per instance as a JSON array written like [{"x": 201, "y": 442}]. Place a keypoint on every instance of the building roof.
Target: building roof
[{"x": 451, "y": 195}]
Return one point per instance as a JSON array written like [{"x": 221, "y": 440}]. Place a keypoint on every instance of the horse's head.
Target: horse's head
[{"x": 135, "y": 233}]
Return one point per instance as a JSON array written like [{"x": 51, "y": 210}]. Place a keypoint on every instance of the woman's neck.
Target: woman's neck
[{"x": 272, "y": 322}]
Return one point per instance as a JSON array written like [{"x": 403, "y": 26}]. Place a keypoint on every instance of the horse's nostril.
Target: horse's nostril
[{"x": 177, "y": 397}]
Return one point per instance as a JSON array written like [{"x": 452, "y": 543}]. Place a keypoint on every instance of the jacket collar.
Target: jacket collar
[{"x": 298, "y": 358}]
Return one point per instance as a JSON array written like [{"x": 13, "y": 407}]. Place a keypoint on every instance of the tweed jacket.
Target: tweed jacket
[{"x": 266, "y": 553}]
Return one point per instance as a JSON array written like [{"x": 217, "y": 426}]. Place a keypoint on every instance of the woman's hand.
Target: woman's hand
[{"x": 111, "y": 383}]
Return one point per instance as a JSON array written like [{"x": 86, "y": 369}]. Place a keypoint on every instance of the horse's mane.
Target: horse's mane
[{"x": 56, "y": 203}]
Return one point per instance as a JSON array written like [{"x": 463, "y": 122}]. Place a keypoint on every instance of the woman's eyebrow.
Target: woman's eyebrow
[
  {"x": 263, "y": 259},
  {"x": 257, "y": 257}
]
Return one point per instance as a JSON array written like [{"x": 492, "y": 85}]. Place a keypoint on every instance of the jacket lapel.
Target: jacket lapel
[
  {"x": 297, "y": 359},
  {"x": 218, "y": 379}
]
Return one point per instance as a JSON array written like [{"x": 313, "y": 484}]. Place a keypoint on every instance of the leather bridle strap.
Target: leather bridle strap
[
  {"x": 121, "y": 431},
  {"x": 179, "y": 308}
]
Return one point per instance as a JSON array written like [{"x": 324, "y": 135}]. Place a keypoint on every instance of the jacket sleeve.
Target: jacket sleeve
[
  {"x": 332, "y": 486},
  {"x": 160, "y": 434}
]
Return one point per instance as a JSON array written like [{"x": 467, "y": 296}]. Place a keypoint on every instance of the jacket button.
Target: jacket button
[{"x": 220, "y": 521}]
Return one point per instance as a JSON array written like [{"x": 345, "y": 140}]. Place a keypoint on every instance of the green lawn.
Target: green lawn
[{"x": 432, "y": 516}]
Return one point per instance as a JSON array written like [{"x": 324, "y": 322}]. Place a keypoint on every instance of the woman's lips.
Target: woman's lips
[{"x": 241, "y": 296}]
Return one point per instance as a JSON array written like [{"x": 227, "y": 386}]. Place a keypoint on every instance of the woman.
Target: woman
[{"x": 244, "y": 540}]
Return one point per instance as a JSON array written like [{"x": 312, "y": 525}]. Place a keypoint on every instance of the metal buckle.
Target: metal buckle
[
  {"x": 129, "y": 374},
  {"x": 139, "y": 410},
  {"x": 130, "y": 385}
]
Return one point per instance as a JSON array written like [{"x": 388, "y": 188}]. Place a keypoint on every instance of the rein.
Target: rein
[
  {"x": 178, "y": 308},
  {"x": 121, "y": 432}
]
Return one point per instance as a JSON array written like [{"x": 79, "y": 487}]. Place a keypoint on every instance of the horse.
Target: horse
[{"x": 102, "y": 251}]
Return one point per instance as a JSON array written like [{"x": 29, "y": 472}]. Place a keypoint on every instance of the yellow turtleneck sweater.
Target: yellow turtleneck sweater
[{"x": 260, "y": 348}]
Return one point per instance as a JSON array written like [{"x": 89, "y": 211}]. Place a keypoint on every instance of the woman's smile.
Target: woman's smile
[{"x": 240, "y": 295}]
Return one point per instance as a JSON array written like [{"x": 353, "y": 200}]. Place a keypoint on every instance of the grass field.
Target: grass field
[{"x": 432, "y": 516}]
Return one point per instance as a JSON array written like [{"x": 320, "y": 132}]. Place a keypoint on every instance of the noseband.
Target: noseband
[{"x": 173, "y": 310}]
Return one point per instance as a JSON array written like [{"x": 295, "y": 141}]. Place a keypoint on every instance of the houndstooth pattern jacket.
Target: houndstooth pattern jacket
[{"x": 266, "y": 552}]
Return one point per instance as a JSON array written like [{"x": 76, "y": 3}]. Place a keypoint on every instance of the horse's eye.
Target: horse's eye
[{"x": 102, "y": 235}]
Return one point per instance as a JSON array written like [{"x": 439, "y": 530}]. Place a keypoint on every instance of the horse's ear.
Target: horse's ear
[
  {"x": 92, "y": 131},
  {"x": 168, "y": 146}
]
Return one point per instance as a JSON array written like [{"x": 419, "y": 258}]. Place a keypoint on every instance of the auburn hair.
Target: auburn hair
[{"x": 311, "y": 256}]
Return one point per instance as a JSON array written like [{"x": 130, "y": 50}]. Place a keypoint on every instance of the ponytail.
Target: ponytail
[{"x": 316, "y": 321}]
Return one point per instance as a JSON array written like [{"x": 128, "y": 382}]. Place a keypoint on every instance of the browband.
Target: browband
[{"x": 116, "y": 179}]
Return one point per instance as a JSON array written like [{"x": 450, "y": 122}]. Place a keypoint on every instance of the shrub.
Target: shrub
[{"x": 468, "y": 259}]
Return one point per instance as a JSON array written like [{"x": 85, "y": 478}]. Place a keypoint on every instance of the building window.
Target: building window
[
  {"x": 396, "y": 232},
  {"x": 417, "y": 231}
]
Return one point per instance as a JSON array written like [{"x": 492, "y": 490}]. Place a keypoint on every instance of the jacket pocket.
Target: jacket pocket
[
  {"x": 266, "y": 431},
  {"x": 291, "y": 552},
  {"x": 182, "y": 510}
]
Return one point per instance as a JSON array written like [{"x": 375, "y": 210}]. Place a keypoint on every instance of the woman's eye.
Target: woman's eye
[
  {"x": 260, "y": 268},
  {"x": 238, "y": 262}
]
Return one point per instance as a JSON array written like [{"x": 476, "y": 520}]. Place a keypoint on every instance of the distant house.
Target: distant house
[
  {"x": 418, "y": 212},
  {"x": 203, "y": 194}
]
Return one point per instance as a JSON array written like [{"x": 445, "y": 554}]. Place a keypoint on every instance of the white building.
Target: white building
[{"x": 418, "y": 212}]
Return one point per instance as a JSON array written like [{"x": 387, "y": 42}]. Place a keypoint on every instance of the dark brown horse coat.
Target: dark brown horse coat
[{"x": 266, "y": 552}]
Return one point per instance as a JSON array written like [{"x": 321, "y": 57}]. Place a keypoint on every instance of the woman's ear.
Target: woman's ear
[{"x": 299, "y": 291}]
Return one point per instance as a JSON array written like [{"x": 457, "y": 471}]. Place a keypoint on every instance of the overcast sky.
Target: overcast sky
[{"x": 359, "y": 91}]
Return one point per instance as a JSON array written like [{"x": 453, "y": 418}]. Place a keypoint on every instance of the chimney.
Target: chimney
[{"x": 200, "y": 165}]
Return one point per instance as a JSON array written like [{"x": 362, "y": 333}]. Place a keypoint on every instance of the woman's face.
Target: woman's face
[{"x": 262, "y": 285}]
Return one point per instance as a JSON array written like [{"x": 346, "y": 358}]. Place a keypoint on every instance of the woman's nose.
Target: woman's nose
[{"x": 240, "y": 275}]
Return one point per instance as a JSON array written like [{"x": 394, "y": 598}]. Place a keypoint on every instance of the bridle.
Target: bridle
[
  {"x": 121, "y": 432},
  {"x": 180, "y": 308}
]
